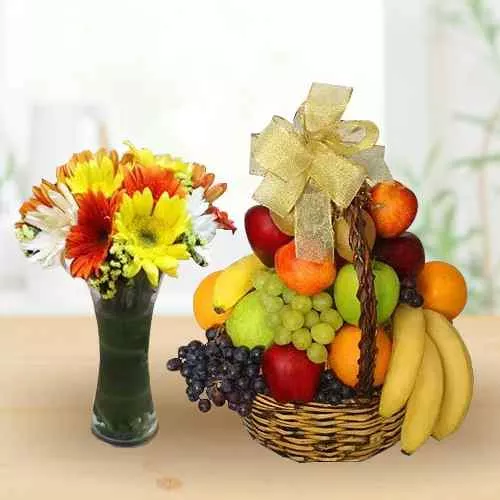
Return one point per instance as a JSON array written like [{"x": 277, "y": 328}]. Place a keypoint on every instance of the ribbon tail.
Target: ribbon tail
[
  {"x": 373, "y": 161},
  {"x": 314, "y": 237}
]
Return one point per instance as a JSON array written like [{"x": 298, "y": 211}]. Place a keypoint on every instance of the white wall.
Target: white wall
[{"x": 193, "y": 77}]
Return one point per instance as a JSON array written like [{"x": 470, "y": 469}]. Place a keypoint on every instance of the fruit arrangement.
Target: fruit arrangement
[{"x": 339, "y": 355}]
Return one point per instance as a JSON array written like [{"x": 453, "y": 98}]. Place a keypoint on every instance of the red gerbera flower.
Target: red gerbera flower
[
  {"x": 222, "y": 219},
  {"x": 158, "y": 179},
  {"x": 88, "y": 242}
]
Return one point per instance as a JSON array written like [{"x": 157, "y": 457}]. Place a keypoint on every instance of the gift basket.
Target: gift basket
[{"x": 333, "y": 340}]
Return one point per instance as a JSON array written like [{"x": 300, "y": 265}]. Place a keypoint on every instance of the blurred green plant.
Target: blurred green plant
[{"x": 436, "y": 224}]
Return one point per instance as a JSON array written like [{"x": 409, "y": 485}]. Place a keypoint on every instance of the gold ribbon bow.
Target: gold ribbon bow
[{"x": 315, "y": 161}]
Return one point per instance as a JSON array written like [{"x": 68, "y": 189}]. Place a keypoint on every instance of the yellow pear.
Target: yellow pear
[{"x": 342, "y": 236}]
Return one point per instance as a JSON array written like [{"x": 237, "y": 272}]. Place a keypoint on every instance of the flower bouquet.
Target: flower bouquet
[
  {"x": 121, "y": 224},
  {"x": 333, "y": 339}
]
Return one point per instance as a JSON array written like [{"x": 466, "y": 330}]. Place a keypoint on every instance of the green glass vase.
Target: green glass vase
[{"x": 123, "y": 412}]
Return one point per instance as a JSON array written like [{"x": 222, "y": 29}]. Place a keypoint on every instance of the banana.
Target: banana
[
  {"x": 458, "y": 375},
  {"x": 407, "y": 351},
  {"x": 234, "y": 282},
  {"x": 422, "y": 409}
]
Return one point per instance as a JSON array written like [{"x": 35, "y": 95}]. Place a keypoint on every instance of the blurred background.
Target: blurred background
[{"x": 195, "y": 78}]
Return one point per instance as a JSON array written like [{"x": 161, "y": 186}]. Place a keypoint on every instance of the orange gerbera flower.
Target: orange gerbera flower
[
  {"x": 201, "y": 178},
  {"x": 159, "y": 180},
  {"x": 88, "y": 242}
]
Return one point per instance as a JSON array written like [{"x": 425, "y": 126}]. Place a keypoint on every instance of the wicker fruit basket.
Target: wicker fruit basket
[{"x": 352, "y": 430}]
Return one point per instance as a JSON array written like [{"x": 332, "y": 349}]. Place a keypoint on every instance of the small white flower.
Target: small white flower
[
  {"x": 204, "y": 225},
  {"x": 54, "y": 224}
]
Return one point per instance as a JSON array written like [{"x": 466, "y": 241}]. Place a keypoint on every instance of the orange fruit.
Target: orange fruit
[
  {"x": 303, "y": 276},
  {"x": 344, "y": 355},
  {"x": 203, "y": 304},
  {"x": 443, "y": 288}
]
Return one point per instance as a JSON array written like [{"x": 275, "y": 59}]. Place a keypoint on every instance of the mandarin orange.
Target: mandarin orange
[
  {"x": 443, "y": 288},
  {"x": 303, "y": 276},
  {"x": 344, "y": 355}
]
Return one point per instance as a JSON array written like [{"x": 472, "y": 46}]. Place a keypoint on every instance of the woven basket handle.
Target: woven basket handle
[{"x": 366, "y": 293}]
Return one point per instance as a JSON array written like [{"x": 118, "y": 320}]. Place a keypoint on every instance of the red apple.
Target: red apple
[
  {"x": 405, "y": 254},
  {"x": 290, "y": 375},
  {"x": 393, "y": 208},
  {"x": 263, "y": 234}
]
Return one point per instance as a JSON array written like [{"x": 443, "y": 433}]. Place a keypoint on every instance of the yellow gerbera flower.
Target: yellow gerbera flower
[
  {"x": 87, "y": 172},
  {"x": 147, "y": 158},
  {"x": 149, "y": 233}
]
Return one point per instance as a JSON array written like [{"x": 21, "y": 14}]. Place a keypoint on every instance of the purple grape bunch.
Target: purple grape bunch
[{"x": 217, "y": 372}]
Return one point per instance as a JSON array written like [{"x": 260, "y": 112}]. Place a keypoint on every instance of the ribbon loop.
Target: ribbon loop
[{"x": 318, "y": 160}]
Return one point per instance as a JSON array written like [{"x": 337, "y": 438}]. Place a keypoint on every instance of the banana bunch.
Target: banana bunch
[{"x": 430, "y": 372}]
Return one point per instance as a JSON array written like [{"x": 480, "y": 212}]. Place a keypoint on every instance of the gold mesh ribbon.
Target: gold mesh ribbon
[{"x": 317, "y": 160}]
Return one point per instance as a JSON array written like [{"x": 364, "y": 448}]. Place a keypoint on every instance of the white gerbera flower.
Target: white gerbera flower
[
  {"x": 54, "y": 223},
  {"x": 204, "y": 225}
]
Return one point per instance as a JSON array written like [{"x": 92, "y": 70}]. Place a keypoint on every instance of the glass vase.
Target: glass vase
[{"x": 123, "y": 412}]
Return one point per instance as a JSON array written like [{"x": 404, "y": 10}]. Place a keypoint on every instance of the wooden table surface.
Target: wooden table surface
[{"x": 48, "y": 371}]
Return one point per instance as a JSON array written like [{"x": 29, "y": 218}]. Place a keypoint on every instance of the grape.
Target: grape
[
  {"x": 311, "y": 318},
  {"x": 226, "y": 386},
  {"x": 247, "y": 396},
  {"x": 260, "y": 278},
  {"x": 334, "y": 398},
  {"x": 212, "y": 350},
  {"x": 216, "y": 372},
  {"x": 191, "y": 357},
  {"x": 273, "y": 285},
  {"x": 331, "y": 390},
  {"x": 241, "y": 354},
  {"x": 288, "y": 295},
  {"x": 285, "y": 310},
  {"x": 212, "y": 333},
  {"x": 198, "y": 386},
  {"x": 317, "y": 353},
  {"x": 204, "y": 405},
  {"x": 274, "y": 319},
  {"x": 256, "y": 354},
  {"x": 271, "y": 304},
  {"x": 244, "y": 410},
  {"x": 195, "y": 344},
  {"x": 301, "y": 339},
  {"x": 322, "y": 301},
  {"x": 282, "y": 336},
  {"x": 243, "y": 382},
  {"x": 224, "y": 341},
  {"x": 333, "y": 318},
  {"x": 292, "y": 320},
  {"x": 323, "y": 333},
  {"x": 252, "y": 370},
  {"x": 260, "y": 385},
  {"x": 174, "y": 364},
  {"x": 233, "y": 397},
  {"x": 232, "y": 406},
  {"x": 233, "y": 371},
  {"x": 301, "y": 303},
  {"x": 227, "y": 353}
]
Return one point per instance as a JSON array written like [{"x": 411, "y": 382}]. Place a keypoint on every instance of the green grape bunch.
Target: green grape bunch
[{"x": 309, "y": 323}]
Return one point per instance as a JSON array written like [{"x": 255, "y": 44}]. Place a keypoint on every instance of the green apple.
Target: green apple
[{"x": 386, "y": 291}]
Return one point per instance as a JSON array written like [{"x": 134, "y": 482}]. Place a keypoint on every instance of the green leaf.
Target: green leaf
[{"x": 480, "y": 161}]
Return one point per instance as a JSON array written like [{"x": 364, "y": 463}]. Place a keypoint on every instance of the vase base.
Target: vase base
[{"x": 125, "y": 441}]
